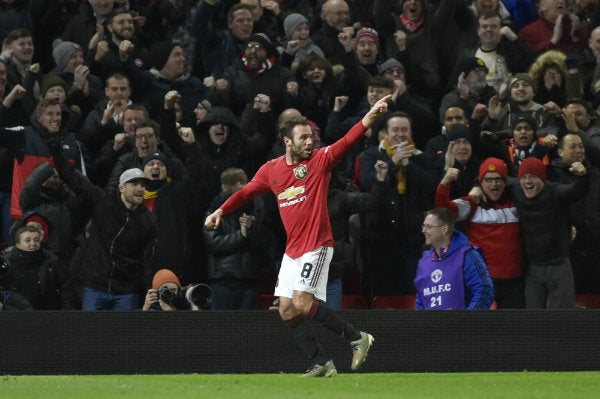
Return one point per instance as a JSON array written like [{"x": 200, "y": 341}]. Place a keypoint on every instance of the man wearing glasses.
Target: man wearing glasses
[
  {"x": 452, "y": 274},
  {"x": 493, "y": 225},
  {"x": 147, "y": 142}
]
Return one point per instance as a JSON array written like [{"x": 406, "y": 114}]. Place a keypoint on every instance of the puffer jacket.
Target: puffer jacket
[{"x": 231, "y": 255}]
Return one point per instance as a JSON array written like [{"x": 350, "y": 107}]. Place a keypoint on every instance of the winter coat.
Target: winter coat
[
  {"x": 30, "y": 149},
  {"x": 231, "y": 255},
  {"x": 118, "y": 244},
  {"x": 244, "y": 85},
  {"x": 34, "y": 275},
  {"x": 238, "y": 150}
]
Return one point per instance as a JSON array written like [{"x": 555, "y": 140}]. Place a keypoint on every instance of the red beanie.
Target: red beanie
[
  {"x": 164, "y": 276},
  {"x": 493, "y": 165},
  {"x": 367, "y": 32},
  {"x": 43, "y": 223},
  {"x": 533, "y": 166}
]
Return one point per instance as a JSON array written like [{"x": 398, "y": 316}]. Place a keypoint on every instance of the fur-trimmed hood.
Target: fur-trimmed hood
[{"x": 550, "y": 58}]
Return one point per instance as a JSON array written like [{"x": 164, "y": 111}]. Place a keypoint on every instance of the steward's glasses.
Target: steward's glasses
[{"x": 429, "y": 226}]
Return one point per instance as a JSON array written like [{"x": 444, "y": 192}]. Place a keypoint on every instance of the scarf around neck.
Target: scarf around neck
[
  {"x": 154, "y": 187},
  {"x": 31, "y": 259},
  {"x": 268, "y": 64},
  {"x": 412, "y": 26},
  {"x": 400, "y": 176}
]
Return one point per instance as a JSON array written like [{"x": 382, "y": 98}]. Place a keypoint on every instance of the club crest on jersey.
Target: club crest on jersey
[
  {"x": 436, "y": 275},
  {"x": 300, "y": 171}
]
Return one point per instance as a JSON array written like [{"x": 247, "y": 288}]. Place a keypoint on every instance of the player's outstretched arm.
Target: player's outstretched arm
[
  {"x": 214, "y": 219},
  {"x": 378, "y": 109}
]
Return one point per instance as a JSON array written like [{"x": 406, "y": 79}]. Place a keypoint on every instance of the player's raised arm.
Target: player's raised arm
[{"x": 378, "y": 109}]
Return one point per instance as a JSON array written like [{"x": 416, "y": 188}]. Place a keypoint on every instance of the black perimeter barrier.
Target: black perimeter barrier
[{"x": 104, "y": 342}]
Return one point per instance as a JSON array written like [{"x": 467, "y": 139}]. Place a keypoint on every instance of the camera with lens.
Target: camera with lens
[
  {"x": 164, "y": 294},
  {"x": 199, "y": 296},
  {"x": 193, "y": 296}
]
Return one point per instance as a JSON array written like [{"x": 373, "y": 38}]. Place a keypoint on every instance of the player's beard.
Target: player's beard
[{"x": 298, "y": 153}]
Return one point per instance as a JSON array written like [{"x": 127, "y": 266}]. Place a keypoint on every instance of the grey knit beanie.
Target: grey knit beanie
[
  {"x": 291, "y": 23},
  {"x": 62, "y": 53}
]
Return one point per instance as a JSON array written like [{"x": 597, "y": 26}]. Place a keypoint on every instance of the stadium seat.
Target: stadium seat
[
  {"x": 587, "y": 301},
  {"x": 390, "y": 302},
  {"x": 354, "y": 302}
]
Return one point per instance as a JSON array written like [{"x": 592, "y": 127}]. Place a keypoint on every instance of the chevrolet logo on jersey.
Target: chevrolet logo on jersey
[
  {"x": 290, "y": 193},
  {"x": 300, "y": 171}
]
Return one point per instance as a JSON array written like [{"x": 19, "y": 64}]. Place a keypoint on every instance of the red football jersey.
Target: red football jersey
[{"x": 301, "y": 191}]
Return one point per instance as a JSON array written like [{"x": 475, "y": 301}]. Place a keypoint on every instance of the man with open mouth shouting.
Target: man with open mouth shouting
[{"x": 542, "y": 207}]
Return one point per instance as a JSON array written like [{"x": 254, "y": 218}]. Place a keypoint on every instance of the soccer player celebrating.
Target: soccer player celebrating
[{"x": 300, "y": 181}]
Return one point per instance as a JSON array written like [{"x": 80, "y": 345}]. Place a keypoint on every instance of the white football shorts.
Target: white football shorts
[{"x": 307, "y": 273}]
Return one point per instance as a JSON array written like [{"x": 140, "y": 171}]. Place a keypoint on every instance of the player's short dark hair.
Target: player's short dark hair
[{"x": 285, "y": 129}]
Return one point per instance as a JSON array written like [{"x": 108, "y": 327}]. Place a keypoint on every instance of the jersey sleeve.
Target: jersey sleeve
[
  {"x": 343, "y": 145},
  {"x": 257, "y": 186}
]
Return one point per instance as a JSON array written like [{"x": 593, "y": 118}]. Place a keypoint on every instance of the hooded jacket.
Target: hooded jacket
[
  {"x": 30, "y": 149},
  {"x": 238, "y": 150},
  {"x": 62, "y": 209}
]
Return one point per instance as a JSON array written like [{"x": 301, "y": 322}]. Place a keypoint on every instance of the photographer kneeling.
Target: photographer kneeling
[
  {"x": 164, "y": 292},
  {"x": 168, "y": 294}
]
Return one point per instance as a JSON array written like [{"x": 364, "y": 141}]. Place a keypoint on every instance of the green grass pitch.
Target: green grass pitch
[{"x": 525, "y": 385}]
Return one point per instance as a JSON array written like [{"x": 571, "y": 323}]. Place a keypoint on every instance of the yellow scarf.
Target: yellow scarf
[
  {"x": 400, "y": 176},
  {"x": 154, "y": 194}
]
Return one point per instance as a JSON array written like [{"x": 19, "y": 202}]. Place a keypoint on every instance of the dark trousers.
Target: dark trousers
[
  {"x": 509, "y": 293},
  {"x": 550, "y": 284},
  {"x": 391, "y": 267},
  {"x": 228, "y": 298}
]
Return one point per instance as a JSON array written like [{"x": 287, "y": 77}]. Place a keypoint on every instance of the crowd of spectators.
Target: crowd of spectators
[{"x": 191, "y": 93}]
